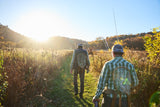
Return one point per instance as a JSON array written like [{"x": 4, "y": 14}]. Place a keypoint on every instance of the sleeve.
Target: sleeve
[
  {"x": 73, "y": 60},
  {"x": 134, "y": 77},
  {"x": 88, "y": 62},
  {"x": 102, "y": 82}
]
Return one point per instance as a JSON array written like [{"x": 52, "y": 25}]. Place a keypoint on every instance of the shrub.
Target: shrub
[
  {"x": 3, "y": 82},
  {"x": 152, "y": 46}
]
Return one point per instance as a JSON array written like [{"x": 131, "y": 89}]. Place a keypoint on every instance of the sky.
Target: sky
[{"x": 80, "y": 19}]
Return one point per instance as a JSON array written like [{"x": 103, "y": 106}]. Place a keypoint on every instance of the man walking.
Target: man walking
[
  {"x": 117, "y": 79},
  {"x": 80, "y": 62}
]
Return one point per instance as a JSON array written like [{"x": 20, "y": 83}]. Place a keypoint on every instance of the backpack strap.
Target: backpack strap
[
  {"x": 129, "y": 100},
  {"x": 114, "y": 99},
  {"x": 120, "y": 99}
]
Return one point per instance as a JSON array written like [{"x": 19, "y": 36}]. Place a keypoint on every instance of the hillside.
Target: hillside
[
  {"x": 58, "y": 42},
  {"x": 10, "y": 38},
  {"x": 132, "y": 41},
  {"x": 9, "y": 35}
]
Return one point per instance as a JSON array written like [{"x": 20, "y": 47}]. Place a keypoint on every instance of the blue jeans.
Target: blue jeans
[{"x": 107, "y": 102}]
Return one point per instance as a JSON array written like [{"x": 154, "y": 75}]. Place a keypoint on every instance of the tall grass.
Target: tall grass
[
  {"x": 25, "y": 74},
  {"x": 28, "y": 72},
  {"x": 148, "y": 73}
]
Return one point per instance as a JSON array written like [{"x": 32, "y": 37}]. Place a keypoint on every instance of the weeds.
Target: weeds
[{"x": 28, "y": 72}]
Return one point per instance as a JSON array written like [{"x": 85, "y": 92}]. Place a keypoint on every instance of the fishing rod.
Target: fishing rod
[
  {"x": 106, "y": 43},
  {"x": 115, "y": 24}
]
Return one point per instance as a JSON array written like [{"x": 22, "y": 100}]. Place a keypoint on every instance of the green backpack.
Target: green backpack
[
  {"x": 81, "y": 59},
  {"x": 122, "y": 80}
]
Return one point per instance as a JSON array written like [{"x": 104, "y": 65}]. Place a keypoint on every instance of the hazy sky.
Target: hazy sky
[{"x": 81, "y": 19}]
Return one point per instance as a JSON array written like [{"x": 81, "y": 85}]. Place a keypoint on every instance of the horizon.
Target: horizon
[
  {"x": 71, "y": 37},
  {"x": 83, "y": 20}
]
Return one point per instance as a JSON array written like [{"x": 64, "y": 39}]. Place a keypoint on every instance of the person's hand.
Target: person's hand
[
  {"x": 87, "y": 68},
  {"x": 94, "y": 100},
  {"x": 134, "y": 91},
  {"x": 71, "y": 71}
]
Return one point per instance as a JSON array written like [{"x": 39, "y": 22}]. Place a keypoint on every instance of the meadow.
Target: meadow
[
  {"x": 25, "y": 73},
  {"x": 41, "y": 78}
]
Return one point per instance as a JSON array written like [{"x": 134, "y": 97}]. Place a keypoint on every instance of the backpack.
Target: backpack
[
  {"x": 122, "y": 80},
  {"x": 81, "y": 59}
]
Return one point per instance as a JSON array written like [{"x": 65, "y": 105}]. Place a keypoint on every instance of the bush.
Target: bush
[
  {"x": 152, "y": 46},
  {"x": 3, "y": 82}
]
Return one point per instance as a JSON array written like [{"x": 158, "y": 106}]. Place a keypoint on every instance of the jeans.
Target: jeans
[
  {"x": 81, "y": 73},
  {"x": 107, "y": 102}
]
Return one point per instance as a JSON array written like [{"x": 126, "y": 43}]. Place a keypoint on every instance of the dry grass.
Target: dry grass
[{"x": 28, "y": 72}]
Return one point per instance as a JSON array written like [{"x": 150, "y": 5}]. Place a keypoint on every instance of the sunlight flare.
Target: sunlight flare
[{"x": 41, "y": 25}]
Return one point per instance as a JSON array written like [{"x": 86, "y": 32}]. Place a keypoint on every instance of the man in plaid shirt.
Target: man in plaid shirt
[{"x": 106, "y": 79}]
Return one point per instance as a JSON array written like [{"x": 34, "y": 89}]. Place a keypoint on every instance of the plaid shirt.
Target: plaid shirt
[{"x": 106, "y": 77}]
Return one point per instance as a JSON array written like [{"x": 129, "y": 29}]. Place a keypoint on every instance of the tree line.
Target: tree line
[{"x": 131, "y": 41}]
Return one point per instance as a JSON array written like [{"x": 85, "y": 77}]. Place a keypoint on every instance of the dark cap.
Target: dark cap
[
  {"x": 117, "y": 49},
  {"x": 80, "y": 45}
]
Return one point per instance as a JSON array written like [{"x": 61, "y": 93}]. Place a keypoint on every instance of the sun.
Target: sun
[
  {"x": 41, "y": 25},
  {"x": 40, "y": 39}
]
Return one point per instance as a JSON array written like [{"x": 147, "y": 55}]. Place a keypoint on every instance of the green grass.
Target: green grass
[{"x": 61, "y": 89}]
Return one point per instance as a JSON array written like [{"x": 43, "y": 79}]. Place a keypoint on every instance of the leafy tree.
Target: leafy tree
[
  {"x": 152, "y": 45},
  {"x": 99, "y": 43},
  {"x": 118, "y": 42}
]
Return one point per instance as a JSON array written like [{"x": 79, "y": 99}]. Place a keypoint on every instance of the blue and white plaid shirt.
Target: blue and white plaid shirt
[{"x": 106, "y": 76}]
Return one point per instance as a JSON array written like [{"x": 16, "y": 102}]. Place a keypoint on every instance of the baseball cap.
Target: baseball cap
[
  {"x": 80, "y": 45},
  {"x": 117, "y": 48}
]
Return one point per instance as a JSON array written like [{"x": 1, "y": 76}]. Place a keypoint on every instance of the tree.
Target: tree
[
  {"x": 118, "y": 42},
  {"x": 152, "y": 45},
  {"x": 99, "y": 43}
]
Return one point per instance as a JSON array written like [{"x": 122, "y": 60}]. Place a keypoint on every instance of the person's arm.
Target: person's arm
[
  {"x": 72, "y": 62},
  {"x": 88, "y": 62},
  {"x": 134, "y": 77},
  {"x": 102, "y": 82}
]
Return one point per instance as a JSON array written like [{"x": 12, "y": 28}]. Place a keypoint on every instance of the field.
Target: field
[
  {"x": 41, "y": 78},
  {"x": 25, "y": 73}
]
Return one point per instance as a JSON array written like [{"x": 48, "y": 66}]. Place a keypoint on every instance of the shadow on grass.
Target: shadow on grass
[
  {"x": 78, "y": 99},
  {"x": 87, "y": 103},
  {"x": 60, "y": 90}
]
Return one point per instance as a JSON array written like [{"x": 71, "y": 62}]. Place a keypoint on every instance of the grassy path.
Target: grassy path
[{"x": 61, "y": 89}]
